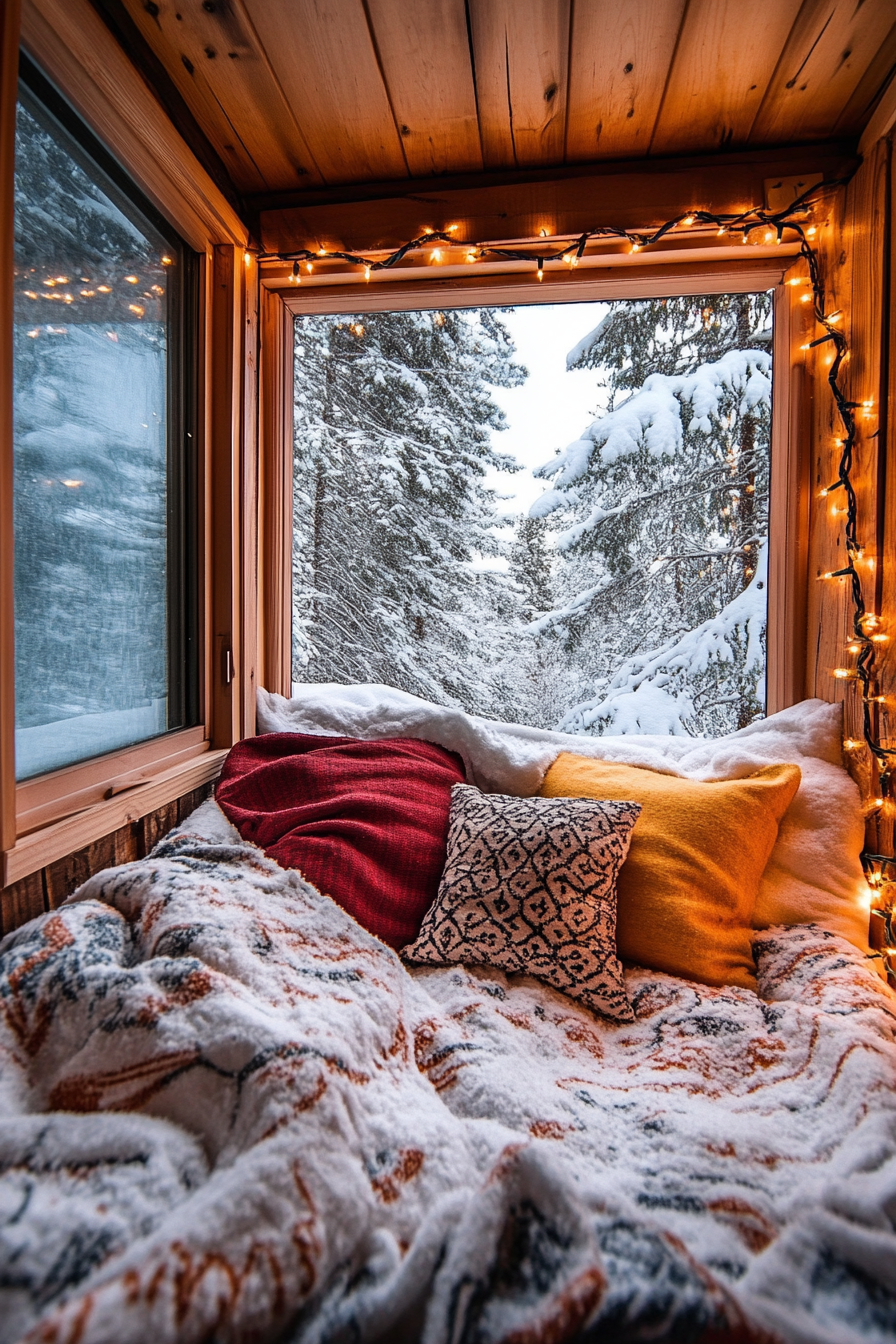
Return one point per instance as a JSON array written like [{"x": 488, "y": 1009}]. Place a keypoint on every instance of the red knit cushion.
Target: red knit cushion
[{"x": 364, "y": 822}]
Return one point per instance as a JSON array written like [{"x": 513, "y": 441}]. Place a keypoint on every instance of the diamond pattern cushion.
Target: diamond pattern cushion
[{"x": 530, "y": 885}]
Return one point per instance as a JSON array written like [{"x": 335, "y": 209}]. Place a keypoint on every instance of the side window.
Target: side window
[
  {"x": 554, "y": 515},
  {"x": 105, "y": 605}
]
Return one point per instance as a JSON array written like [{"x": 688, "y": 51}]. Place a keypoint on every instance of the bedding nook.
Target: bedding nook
[{"x": 448, "y": 877}]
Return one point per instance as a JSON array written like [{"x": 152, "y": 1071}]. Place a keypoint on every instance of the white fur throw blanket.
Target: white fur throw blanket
[{"x": 229, "y": 1113}]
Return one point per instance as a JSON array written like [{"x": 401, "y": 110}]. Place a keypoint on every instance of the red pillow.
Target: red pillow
[{"x": 364, "y": 822}]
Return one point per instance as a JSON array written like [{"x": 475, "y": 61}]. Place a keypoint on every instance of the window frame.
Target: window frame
[
  {"x": 494, "y": 285},
  {"x": 180, "y": 471},
  {"x": 48, "y": 817}
]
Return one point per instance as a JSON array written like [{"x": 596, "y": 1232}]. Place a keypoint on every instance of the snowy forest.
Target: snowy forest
[
  {"x": 90, "y": 440},
  {"x": 630, "y": 597}
]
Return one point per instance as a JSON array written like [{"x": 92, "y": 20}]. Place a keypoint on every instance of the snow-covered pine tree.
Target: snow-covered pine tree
[
  {"x": 663, "y": 505},
  {"x": 396, "y": 556}
]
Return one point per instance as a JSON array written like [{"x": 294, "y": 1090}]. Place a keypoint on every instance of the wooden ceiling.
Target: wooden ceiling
[{"x": 301, "y": 96}]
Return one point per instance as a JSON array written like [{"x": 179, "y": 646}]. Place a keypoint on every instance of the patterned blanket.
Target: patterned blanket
[{"x": 229, "y": 1113}]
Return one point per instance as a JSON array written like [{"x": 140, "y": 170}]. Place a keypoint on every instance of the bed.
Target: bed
[{"x": 231, "y": 1113}]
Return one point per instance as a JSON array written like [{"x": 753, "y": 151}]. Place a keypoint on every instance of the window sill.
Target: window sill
[{"x": 49, "y": 843}]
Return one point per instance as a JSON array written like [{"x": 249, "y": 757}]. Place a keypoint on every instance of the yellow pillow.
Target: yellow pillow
[{"x": 689, "y": 884}]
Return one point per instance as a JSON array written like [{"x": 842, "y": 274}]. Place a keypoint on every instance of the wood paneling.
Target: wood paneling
[
  {"x": 827, "y": 599},
  {"x": 222, "y": 71},
  {"x": 521, "y": 79},
  {"x": 635, "y": 195},
  {"x": 869, "y": 100},
  {"x": 886, "y": 837},
  {"x": 9, "y": 61},
  {"x": 68, "y": 38},
  {"x": 617, "y": 73},
  {"x": 298, "y": 94},
  {"x": 425, "y": 58},
  {"x": 720, "y": 73},
  {"x": 323, "y": 54},
  {"x": 832, "y": 44},
  {"x": 855, "y": 251}
]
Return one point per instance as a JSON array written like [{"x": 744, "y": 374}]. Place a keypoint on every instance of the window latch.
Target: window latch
[{"x": 227, "y": 665}]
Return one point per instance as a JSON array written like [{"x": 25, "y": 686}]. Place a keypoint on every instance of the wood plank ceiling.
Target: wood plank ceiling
[{"x": 297, "y": 96}]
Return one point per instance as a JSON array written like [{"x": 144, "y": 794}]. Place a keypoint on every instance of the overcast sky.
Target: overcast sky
[{"x": 553, "y": 406}]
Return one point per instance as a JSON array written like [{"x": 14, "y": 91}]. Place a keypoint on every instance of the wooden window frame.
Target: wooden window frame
[
  {"x": 706, "y": 270},
  {"x": 44, "y": 819}
]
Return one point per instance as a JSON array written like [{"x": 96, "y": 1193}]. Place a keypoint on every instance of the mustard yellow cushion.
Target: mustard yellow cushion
[{"x": 688, "y": 887}]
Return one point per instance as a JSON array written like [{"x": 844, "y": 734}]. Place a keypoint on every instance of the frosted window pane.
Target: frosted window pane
[
  {"x": 554, "y": 515},
  {"x": 90, "y": 408}
]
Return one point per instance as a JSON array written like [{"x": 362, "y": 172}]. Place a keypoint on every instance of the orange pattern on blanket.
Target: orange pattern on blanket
[
  {"x": 481, "y": 1124},
  {"x": 388, "y": 1185}
]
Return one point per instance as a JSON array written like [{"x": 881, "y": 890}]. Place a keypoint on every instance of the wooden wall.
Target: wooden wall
[
  {"x": 856, "y": 251},
  {"x": 48, "y": 888}
]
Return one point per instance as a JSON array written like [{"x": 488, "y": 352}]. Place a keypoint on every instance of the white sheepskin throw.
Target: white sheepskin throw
[
  {"x": 229, "y": 1113},
  {"x": 814, "y": 873}
]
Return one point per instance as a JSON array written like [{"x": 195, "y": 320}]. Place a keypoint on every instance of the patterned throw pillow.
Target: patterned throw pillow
[{"x": 530, "y": 885}]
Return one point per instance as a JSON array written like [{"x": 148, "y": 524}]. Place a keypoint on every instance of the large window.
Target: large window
[
  {"x": 555, "y": 514},
  {"x": 105, "y": 608}
]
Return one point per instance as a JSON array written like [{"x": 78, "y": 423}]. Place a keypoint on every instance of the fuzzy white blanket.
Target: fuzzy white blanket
[{"x": 229, "y": 1113}]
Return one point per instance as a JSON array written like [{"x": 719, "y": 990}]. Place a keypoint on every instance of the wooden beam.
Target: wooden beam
[
  {"x": 275, "y": 494},
  {"x": 638, "y": 195},
  {"x": 9, "y": 62}
]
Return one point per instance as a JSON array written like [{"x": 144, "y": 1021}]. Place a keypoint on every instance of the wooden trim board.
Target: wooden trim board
[
  {"x": 53, "y": 842},
  {"x": 9, "y": 61},
  {"x": 710, "y": 275},
  {"x": 55, "y": 795},
  {"x": 275, "y": 495},
  {"x": 789, "y": 511}
]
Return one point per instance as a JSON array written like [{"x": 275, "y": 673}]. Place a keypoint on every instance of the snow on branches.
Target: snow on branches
[{"x": 659, "y": 514}]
